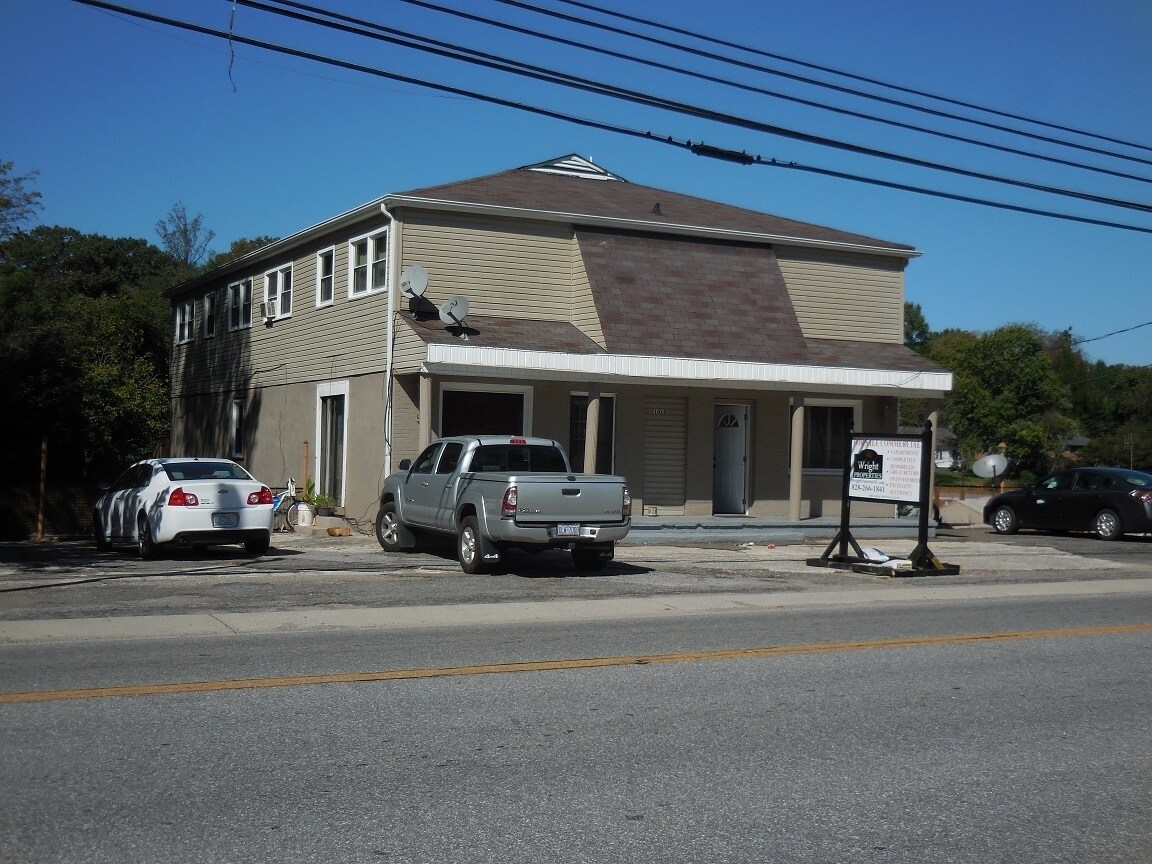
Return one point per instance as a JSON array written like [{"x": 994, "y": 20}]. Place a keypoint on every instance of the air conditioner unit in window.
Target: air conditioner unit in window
[{"x": 268, "y": 309}]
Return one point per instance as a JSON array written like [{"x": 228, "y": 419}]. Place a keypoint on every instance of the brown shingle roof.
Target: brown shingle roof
[
  {"x": 671, "y": 296},
  {"x": 527, "y": 189},
  {"x": 487, "y": 331}
]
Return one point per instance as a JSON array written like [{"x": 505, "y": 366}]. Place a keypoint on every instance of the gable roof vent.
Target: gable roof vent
[{"x": 574, "y": 166}]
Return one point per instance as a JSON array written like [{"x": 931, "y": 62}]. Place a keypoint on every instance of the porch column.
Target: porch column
[
  {"x": 934, "y": 419},
  {"x": 796, "y": 465},
  {"x": 425, "y": 423},
  {"x": 591, "y": 429}
]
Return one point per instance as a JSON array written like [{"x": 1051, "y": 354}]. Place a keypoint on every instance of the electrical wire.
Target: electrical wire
[
  {"x": 727, "y": 82},
  {"x": 387, "y": 34},
  {"x": 828, "y": 70},
  {"x": 697, "y": 147}
]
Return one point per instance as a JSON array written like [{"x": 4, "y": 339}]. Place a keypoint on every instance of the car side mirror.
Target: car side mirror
[{"x": 405, "y": 464}]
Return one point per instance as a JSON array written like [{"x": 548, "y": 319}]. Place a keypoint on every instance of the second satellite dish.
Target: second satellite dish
[
  {"x": 414, "y": 281},
  {"x": 990, "y": 466},
  {"x": 454, "y": 311}
]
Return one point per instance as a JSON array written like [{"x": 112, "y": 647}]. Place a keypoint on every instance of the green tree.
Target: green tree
[
  {"x": 184, "y": 237},
  {"x": 85, "y": 340},
  {"x": 917, "y": 335},
  {"x": 1006, "y": 391},
  {"x": 18, "y": 203},
  {"x": 239, "y": 248}
]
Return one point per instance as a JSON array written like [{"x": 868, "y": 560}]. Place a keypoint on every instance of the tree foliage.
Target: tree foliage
[
  {"x": 18, "y": 202},
  {"x": 84, "y": 338},
  {"x": 239, "y": 248},
  {"x": 184, "y": 237}
]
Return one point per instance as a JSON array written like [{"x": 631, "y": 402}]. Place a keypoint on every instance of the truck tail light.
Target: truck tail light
[
  {"x": 626, "y": 505},
  {"x": 508, "y": 505},
  {"x": 180, "y": 498},
  {"x": 264, "y": 496}
]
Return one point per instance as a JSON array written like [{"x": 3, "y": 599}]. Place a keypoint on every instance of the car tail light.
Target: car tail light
[
  {"x": 1142, "y": 494},
  {"x": 508, "y": 505},
  {"x": 180, "y": 498},
  {"x": 517, "y": 440},
  {"x": 264, "y": 496},
  {"x": 626, "y": 507}
]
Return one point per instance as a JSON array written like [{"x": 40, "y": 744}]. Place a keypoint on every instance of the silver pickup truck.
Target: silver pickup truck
[{"x": 498, "y": 492}]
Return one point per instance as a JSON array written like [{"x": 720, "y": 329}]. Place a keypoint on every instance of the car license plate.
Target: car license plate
[
  {"x": 567, "y": 530},
  {"x": 225, "y": 520}
]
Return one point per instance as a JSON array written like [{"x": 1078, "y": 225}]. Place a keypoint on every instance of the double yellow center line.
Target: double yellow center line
[{"x": 556, "y": 665}]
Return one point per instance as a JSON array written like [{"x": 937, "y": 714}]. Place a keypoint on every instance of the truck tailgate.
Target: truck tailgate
[{"x": 585, "y": 498}]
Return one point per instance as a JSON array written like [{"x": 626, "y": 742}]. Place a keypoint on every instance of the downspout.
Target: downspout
[{"x": 389, "y": 330}]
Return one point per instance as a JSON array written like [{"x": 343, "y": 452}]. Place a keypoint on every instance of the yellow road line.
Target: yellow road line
[{"x": 554, "y": 665}]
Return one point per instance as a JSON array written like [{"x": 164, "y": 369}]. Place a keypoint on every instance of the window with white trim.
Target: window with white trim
[
  {"x": 208, "y": 310},
  {"x": 278, "y": 292},
  {"x": 827, "y": 425},
  {"x": 240, "y": 305},
  {"x": 368, "y": 264},
  {"x": 185, "y": 321},
  {"x": 325, "y": 275}
]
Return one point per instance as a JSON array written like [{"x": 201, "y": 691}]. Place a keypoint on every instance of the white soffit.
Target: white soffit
[{"x": 476, "y": 361}]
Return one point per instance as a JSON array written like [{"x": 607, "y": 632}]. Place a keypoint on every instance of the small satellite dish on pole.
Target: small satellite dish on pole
[
  {"x": 453, "y": 313},
  {"x": 414, "y": 281},
  {"x": 991, "y": 466}
]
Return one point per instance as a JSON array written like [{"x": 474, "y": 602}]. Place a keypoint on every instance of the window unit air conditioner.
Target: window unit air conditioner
[{"x": 268, "y": 309}]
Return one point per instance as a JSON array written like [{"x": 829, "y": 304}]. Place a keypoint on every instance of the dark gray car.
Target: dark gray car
[{"x": 1108, "y": 502}]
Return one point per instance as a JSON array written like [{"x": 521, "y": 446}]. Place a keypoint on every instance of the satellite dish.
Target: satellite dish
[
  {"x": 414, "y": 281},
  {"x": 454, "y": 311},
  {"x": 990, "y": 466}
]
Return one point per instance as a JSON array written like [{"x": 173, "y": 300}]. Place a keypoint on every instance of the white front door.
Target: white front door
[{"x": 730, "y": 459}]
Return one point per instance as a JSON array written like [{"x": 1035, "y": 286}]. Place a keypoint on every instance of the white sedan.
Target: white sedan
[{"x": 187, "y": 502}]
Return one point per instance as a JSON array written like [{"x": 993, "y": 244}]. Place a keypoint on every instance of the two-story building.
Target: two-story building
[{"x": 716, "y": 356}]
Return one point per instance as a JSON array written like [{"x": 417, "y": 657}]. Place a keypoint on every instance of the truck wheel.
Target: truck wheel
[
  {"x": 587, "y": 560},
  {"x": 387, "y": 533},
  {"x": 469, "y": 547}
]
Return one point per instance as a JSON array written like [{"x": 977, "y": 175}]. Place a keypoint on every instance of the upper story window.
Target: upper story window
[
  {"x": 368, "y": 264},
  {"x": 240, "y": 305},
  {"x": 325, "y": 273},
  {"x": 185, "y": 320},
  {"x": 278, "y": 293},
  {"x": 208, "y": 313}
]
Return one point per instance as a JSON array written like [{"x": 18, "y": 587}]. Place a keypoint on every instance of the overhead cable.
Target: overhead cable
[
  {"x": 380, "y": 32},
  {"x": 826, "y": 69},
  {"x": 737, "y": 85},
  {"x": 564, "y": 116}
]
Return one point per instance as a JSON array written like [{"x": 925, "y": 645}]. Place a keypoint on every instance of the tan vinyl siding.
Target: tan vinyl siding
[
  {"x": 665, "y": 438},
  {"x": 584, "y": 314},
  {"x": 514, "y": 269},
  {"x": 843, "y": 296},
  {"x": 344, "y": 339}
]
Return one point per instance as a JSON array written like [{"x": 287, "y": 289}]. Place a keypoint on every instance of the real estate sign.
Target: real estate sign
[{"x": 886, "y": 468}]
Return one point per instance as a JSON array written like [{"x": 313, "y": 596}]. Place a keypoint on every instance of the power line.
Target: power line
[
  {"x": 380, "y": 32},
  {"x": 829, "y": 70},
  {"x": 697, "y": 147},
  {"x": 749, "y": 88}
]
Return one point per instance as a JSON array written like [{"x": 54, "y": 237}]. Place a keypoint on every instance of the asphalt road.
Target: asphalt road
[{"x": 1006, "y": 729}]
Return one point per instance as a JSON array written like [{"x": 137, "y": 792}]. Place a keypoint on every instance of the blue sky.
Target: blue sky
[{"x": 124, "y": 118}]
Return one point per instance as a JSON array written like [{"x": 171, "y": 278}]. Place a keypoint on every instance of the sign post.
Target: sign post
[{"x": 892, "y": 469}]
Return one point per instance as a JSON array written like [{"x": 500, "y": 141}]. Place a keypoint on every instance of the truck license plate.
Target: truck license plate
[
  {"x": 567, "y": 530},
  {"x": 225, "y": 520}
]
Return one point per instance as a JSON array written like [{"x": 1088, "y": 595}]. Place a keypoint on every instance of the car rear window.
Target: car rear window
[
  {"x": 517, "y": 457},
  {"x": 205, "y": 471}
]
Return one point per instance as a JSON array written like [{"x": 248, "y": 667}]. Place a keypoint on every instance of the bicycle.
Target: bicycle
[{"x": 286, "y": 509}]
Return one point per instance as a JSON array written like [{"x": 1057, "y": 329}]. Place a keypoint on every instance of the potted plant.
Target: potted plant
[{"x": 318, "y": 502}]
